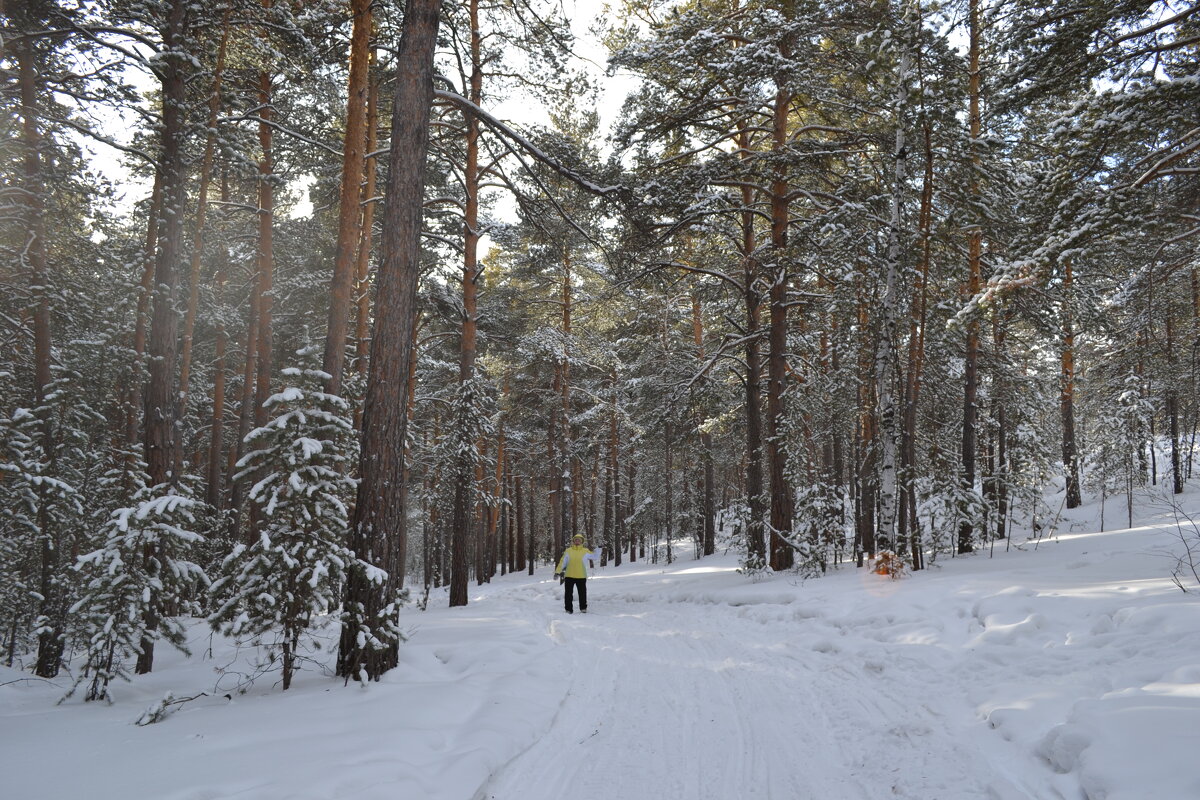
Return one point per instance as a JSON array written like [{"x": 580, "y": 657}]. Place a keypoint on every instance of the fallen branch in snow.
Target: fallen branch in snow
[
  {"x": 164, "y": 708},
  {"x": 18, "y": 680}
]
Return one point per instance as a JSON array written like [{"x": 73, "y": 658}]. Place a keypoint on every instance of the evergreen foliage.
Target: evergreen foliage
[
  {"x": 129, "y": 599},
  {"x": 290, "y": 574}
]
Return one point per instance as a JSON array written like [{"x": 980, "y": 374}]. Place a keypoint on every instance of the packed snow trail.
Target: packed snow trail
[
  {"x": 1069, "y": 671},
  {"x": 700, "y": 700}
]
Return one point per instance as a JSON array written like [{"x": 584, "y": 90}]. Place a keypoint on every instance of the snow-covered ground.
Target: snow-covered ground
[{"x": 1070, "y": 670}]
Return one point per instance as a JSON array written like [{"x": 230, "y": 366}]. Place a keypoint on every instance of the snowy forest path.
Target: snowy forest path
[{"x": 765, "y": 701}]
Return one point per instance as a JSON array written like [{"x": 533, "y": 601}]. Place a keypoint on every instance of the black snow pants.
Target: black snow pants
[{"x": 572, "y": 583}]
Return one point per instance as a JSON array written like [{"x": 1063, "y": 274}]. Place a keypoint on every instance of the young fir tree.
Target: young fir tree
[
  {"x": 295, "y": 563},
  {"x": 120, "y": 582}
]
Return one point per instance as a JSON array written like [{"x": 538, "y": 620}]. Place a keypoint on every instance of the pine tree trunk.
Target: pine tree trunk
[
  {"x": 362, "y": 280},
  {"x": 160, "y": 408},
  {"x": 669, "y": 511},
  {"x": 966, "y": 532},
  {"x": 614, "y": 469},
  {"x": 265, "y": 261},
  {"x": 916, "y": 358},
  {"x": 608, "y": 527},
  {"x": 708, "y": 535},
  {"x": 379, "y": 512},
  {"x": 246, "y": 401},
  {"x": 462, "y": 517},
  {"x": 519, "y": 533},
  {"x": 531, "y": 547},
  {"x": 1000, "y": 390},
  {"x": 51, "y": 605},
  {"x": 141, "y": 316},
  {"x": 630, "y": 475},
  {"x": 206, "y": 162},
  {"x": 782, "y": 553},
  {"x": 266, "y": 248},
  {"x": 566, "y": 478},
  {"x": 756, "y": 544},
  {"x": 1172, "y": 407},
  {"x": 349, "y": 232},
  {"x": 213, "y": 494},
  {"x": 1067, "y": 390}
]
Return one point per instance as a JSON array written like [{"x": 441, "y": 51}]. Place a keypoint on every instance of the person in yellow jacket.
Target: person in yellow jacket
[{"x": 573, "y": 569}]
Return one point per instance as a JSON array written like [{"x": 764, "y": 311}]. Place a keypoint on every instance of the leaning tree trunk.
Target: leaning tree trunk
[{"x": 369, "y": 643}]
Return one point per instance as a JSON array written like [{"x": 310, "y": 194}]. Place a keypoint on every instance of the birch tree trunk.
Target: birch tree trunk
[{"x": 885, "y": 353}]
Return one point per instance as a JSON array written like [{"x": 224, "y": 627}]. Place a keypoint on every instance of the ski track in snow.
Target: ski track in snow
[{"x": 763, "y": 702}]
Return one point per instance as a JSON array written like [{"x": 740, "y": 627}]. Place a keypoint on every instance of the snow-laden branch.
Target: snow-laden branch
[
  {"x": 1156, "y": 170},
  {"x": 99, "y": 137},
  {"x": 529, "y": 147},
  {"x": 253, "y": 117}
]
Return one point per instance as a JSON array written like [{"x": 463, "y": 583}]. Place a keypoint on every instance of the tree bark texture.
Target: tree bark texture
[
  {"x": 160, "y": 418},
  {"x": 1066, "y": 401},
  {"x": 966, "y": 532},
  {"x": 206, "y": 163},
  {"x": 349, "y": 197},
  {"x": 782, "y": 552},
  {"x": 51, "y": 606},
  {"x": 379, "y": 513},
  {"x": 464, "y": 474}
]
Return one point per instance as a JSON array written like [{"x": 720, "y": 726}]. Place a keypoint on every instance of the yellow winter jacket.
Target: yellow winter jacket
[{"x": 572, "y": 560}]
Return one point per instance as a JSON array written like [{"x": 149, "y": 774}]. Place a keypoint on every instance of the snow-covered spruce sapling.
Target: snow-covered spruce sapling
[
  {"x": 128, "y": 595},
  {"x": 293, "y": 567},
  {"x": 45, "y": 458}
]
